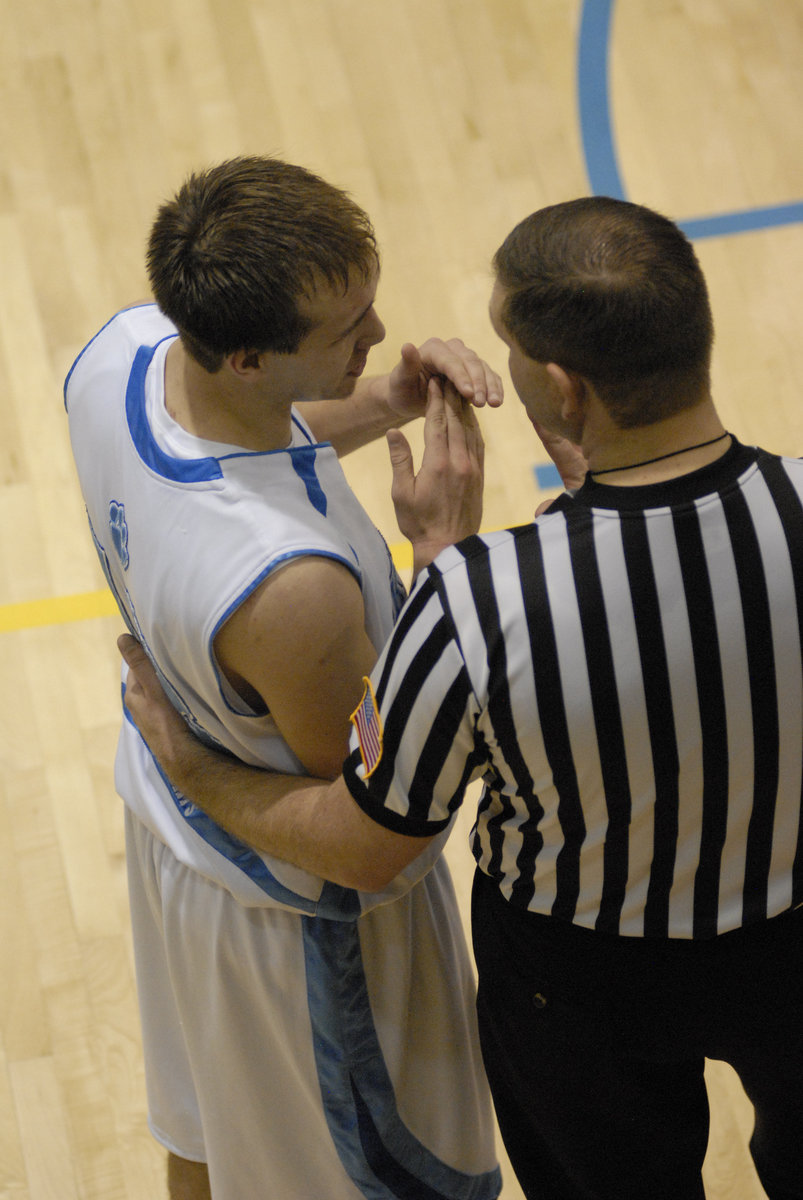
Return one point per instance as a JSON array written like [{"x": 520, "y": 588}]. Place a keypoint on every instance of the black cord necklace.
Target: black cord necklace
[{"x": 660, "y": 457}]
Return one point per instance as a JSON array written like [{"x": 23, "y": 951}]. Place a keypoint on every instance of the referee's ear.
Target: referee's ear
[{"x": 573, "y": 389}]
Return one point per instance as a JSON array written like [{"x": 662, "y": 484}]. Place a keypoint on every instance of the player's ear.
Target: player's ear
[{"x": 244, "y": 362}]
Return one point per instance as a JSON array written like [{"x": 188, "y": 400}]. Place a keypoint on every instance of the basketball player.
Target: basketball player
[{"x": 301, "y": 1039}]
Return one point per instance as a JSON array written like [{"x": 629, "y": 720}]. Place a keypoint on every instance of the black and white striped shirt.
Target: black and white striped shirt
[{"x": 626, "y": 675}]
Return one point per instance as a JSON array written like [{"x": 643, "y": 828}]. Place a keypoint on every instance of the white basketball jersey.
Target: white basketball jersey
[{"x": 185, "y": 531}]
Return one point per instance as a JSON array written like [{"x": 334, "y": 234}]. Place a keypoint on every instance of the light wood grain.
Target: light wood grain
[{"x": 449, "y": 120}]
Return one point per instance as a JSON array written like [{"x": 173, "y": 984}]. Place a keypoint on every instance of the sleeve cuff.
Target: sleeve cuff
[{"x": 386, "y": 817}]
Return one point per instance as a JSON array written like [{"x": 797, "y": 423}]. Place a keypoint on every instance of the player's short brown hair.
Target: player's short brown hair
[{"x": 232, "y": 253}]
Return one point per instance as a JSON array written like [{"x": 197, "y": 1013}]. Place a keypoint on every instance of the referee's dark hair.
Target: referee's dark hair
[{"x": 613, "y": 292}]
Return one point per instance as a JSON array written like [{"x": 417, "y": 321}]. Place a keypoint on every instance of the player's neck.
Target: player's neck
[{"x": 220, "y": 408}]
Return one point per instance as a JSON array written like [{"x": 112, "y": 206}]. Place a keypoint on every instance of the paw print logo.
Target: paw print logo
[{"x": 119, "y": 530}]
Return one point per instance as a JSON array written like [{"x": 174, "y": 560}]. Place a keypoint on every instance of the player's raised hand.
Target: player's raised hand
[
  {"x": 450, "y": 361},
  {"x": 442, "y": 503}
]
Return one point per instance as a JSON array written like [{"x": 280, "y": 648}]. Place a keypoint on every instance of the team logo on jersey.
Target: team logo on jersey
[
  {"x": 119, "y": 531},
  {"x": 368, "y": 723}
]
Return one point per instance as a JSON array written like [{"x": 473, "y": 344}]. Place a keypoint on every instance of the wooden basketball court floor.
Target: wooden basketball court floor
[{"x": 449, "y": 120}]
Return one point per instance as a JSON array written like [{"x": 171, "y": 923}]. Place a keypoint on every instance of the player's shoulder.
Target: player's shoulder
[
  {"x": 121, "y": 336},
  {"x": 143, "y": 323},
  {"x": 323, "y": 587}
]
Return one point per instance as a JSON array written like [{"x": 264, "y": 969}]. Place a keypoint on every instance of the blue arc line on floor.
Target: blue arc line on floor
[{"x": 599, "y": 144}]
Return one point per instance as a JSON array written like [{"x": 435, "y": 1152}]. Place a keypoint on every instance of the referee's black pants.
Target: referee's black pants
[{"x": 595, "y": 1046}]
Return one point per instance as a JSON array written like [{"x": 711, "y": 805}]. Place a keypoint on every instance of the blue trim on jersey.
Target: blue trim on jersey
[
  {"x": 303, "y": 460},
  {"x": 302, "y": 429},
  {"x": 202, "y": 470},
  {"x": 338, "y": 903},
  {"x": 182, "y": 470},
  {"x": 383, "y": 1158}
]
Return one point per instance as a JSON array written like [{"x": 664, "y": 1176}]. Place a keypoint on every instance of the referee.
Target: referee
[{"x": 625, "y": 674}]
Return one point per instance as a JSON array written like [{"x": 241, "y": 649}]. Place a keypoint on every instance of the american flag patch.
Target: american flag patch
[{"x": 367, "y": 722}]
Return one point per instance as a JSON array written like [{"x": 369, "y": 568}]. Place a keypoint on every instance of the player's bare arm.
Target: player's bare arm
[{"x": 297, "y": 647}]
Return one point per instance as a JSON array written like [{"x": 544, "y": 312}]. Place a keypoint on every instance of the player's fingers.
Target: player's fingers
[
  {"x": 133, "y": 654},
  {"x": 453, "y": 361},
  {"x": 494, "y": 388},
  {"x": 142, "y": 679},
  {"x": 466, "y": 371},
  {"x": 484, "y": 385},
  {"x": 411, "y": 362},
  {"x": 488, "y": 386},
  {"x": 131, "y": 650}
]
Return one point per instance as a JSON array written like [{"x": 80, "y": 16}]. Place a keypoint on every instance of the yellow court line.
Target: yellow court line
[
  {"x": 56, "y": 611},
  {"x": 60, "y": 610}
]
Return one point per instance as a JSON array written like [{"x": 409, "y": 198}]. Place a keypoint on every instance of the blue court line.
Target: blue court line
[
  {"x": 547, "y": 476},
  {"x": 743, "y": 222},
  {"x": 599, "y": 144},
  {"x": 596, "y": 130}
]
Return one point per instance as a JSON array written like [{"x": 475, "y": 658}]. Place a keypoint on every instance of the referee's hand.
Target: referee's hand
[{"x": 442, "y": 503}]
